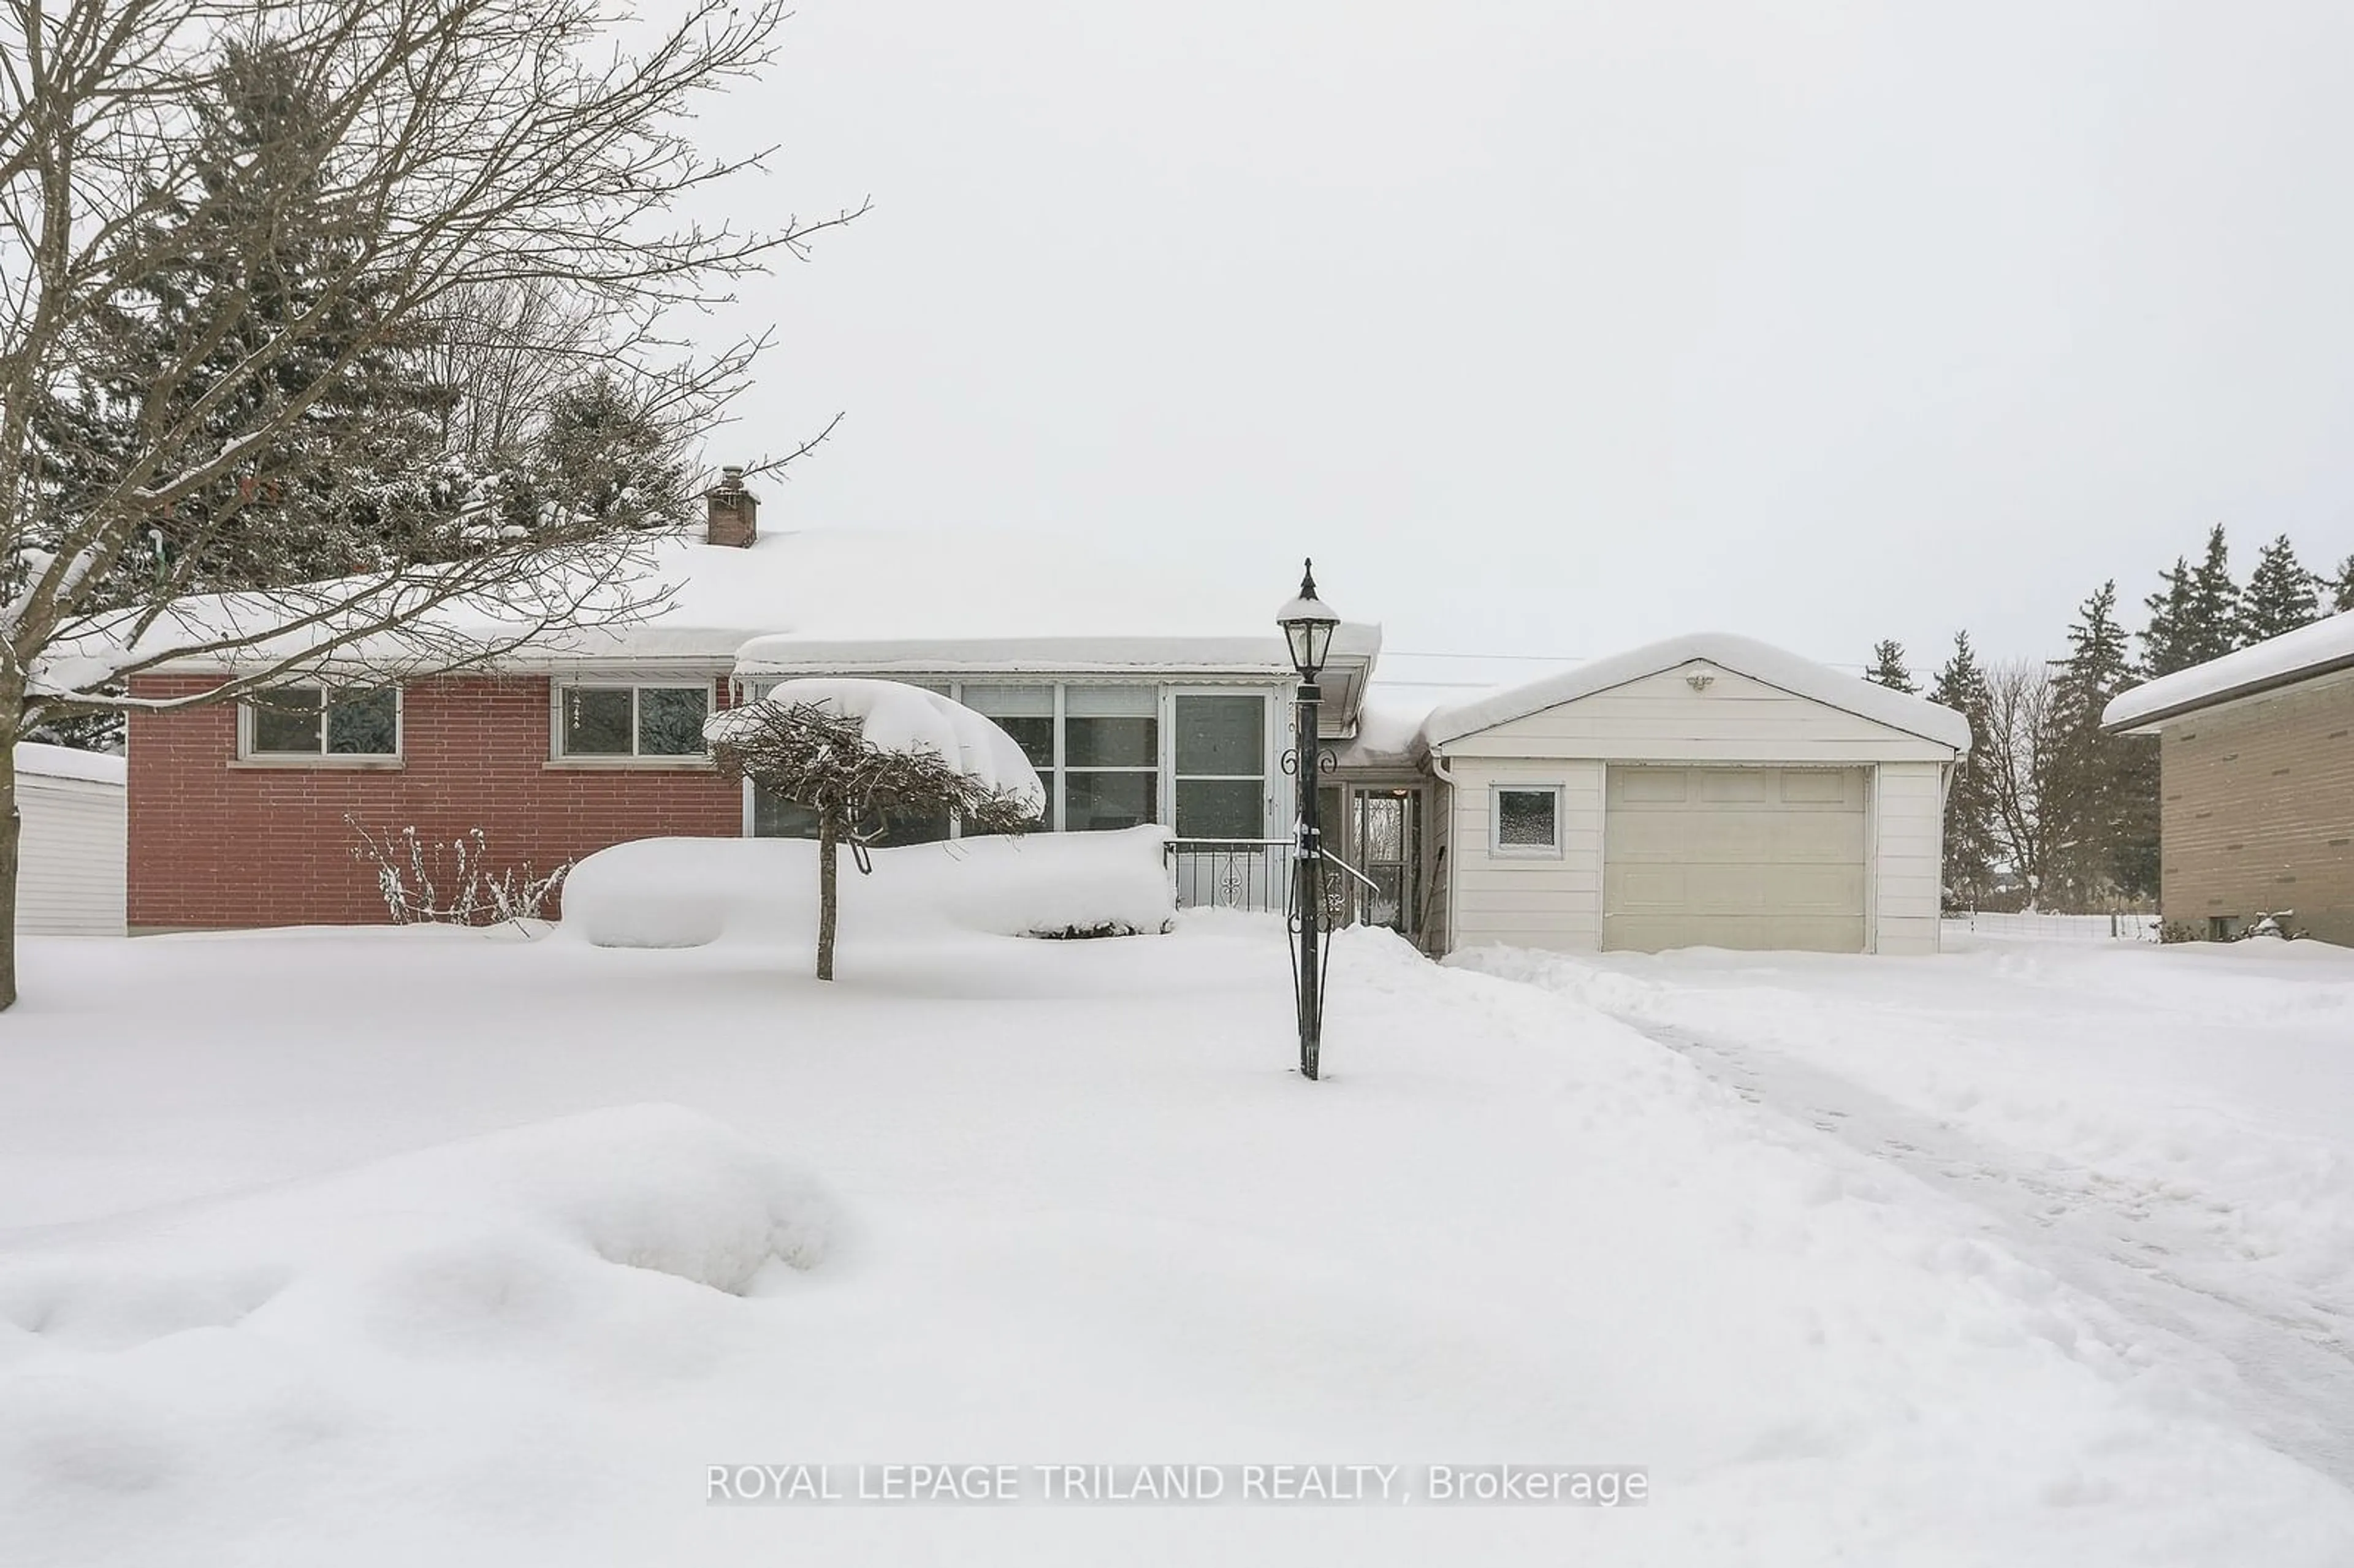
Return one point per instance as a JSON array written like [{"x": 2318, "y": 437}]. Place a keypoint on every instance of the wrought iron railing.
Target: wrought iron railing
[
  {"x": 1254, "y": 874},
  {"x": 1258, "y": 875}
]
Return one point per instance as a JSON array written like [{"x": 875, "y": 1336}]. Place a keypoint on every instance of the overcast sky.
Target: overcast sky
[{"x": 1553, "y": 328}]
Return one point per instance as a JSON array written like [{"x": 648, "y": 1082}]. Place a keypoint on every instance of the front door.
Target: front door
[{"x": 1385, "y": 833}]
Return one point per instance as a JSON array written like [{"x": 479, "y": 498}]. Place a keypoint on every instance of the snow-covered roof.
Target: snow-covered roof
[
  {"x": 831, "y": 600},
  {"x": 2318, "y": 649},
  {"x": 66, "y": 762},
  {"x": 1388, "y": 726},
  {"x": 1744, "y": 656}
]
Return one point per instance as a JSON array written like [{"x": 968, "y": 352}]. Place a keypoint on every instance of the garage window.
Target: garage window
[{"x": 1527, "y": 819}]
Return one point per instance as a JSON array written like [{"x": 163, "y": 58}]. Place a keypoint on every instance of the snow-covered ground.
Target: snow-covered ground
[
  {"x": 400, "y": 1247},
  {"x": 2168, "y": 1130}
]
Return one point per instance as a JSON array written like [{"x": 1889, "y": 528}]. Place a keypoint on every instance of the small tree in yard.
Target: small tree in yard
[
  {"x": 818, "y": 757},
  {"x": 234, "y": 239}
]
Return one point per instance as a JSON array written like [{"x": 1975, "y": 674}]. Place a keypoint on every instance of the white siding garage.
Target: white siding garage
[
  {"x": 1735, "y": 857},
  {"x": 69, "y": 878},
  {"x": 1709, "y": 790}
]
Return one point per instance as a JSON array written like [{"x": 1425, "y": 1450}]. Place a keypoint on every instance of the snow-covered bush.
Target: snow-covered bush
[
  {"x": 855, "y": 753},
  {"x": 685, "y": 892}
]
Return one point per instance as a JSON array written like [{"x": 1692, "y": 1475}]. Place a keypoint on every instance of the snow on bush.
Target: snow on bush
[
  {"x": 904, "y": 720},
  {"x": 684, "y": 893},
  {"x": 856, "y": 753}
]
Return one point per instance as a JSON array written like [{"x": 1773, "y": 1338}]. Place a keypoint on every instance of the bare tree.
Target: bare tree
[
  {"x": 818, "y": 757},
  {"x": 2022, "y": 747},
  {"x": 498, "y": 345},
  {"x": 446, "y": 148}
]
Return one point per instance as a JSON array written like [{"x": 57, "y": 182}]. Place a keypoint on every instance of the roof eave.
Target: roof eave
[{"x": 2152, "y": 722}]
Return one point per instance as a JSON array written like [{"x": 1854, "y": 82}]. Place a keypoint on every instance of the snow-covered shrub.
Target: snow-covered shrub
[
  {"x": 685, "y": 892},
  {"x": 855, "y": 753},
  {"x": 427, "y": 882}
]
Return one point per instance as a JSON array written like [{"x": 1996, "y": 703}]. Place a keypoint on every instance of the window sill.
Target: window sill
[
  {"x": 324, "y": 764},
  {"x": 1523, "y": 851},
  {"x": 630, "y": 765}
]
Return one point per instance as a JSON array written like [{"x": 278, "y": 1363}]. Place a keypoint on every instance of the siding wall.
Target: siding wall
[
  {"x": 1736, "y": 719},
  {"x": 2257, "y": 811},
  {"x": 1908, "y": 819},
  {"x": 1556, "y": 903},
  {"x": 216, "y": 844},
  {"x": 69, "y": 881},
  {"x": 1527, "y": 901}
]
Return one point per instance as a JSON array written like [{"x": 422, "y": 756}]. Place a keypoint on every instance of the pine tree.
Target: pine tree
[
  {"x": 2165, "y": 639},
  {"x": 262, "y": 241},
  {"x": 1888, "y": 667},
  {"x": 2213, "y": 627},
  {"x": 2282, "y": 595},
  {"x": 2101, "y": 802},
  {"x": 1971, "y": 839},
  {"x": 2341, "y": 587},
  {"x": 600, "y": 453}
]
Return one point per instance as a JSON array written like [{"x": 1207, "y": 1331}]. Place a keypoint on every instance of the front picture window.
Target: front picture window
[
  {"x": 322, "y": 721},
  {"x": 634, "y": 721}
]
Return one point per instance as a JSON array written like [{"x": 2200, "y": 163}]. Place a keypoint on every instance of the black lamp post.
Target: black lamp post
[{"x": 1308, "y": 625}]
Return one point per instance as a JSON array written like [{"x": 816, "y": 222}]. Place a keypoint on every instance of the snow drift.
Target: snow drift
[
  {"x": 656, "y": 1188},
  {"x": 179, "y": 1376},
  {"x": 685, "y": 892}
]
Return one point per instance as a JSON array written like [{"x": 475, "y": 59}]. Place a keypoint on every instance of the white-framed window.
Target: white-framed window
[
  {"x": 1111, "y": 756},
  {"x": 1524, "y": 819},
  {"x": 1218, "y": 764},
  {"x": 623, "y": 721},
  {"x": 312, "y": 722}
]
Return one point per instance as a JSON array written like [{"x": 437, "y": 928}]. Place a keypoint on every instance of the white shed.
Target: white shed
[
  {"x": 1708, "y": 790},
  {"x": 70, "y": 874}
]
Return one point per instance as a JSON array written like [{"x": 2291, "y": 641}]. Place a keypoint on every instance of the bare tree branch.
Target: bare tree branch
[{"x": 502, "y": 179}]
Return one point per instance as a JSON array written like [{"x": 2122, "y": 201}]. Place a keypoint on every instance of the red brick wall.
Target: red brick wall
[{"x": 214, "y": 844}]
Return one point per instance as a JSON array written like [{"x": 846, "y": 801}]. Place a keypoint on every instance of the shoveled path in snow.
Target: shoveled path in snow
[
  {"x": 2133, "y": 1249},
  {"x": 2157, "y": 1128}
]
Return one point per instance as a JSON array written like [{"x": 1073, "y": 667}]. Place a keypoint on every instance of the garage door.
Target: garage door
[{"x": 1734, "y": 857}]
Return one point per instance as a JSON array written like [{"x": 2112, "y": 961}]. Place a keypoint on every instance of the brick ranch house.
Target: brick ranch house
[
  {"x": 246, "y": 814},
  {"x": 2257, "y": 783},
  {"x": 1708, "y": 789}
]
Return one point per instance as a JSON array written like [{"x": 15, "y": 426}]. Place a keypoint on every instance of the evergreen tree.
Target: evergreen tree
[
  {"x": 2282, "y": 595},
  {"x": 1971, "y": 836},
  {"x": 602, "y": 453},
  {"x": 2213, "y": 627},
  {"x": 260, "y": 242},
  {"x": 2102, "y": 800},
  {"x": 2165, "y": 639},
  {"x": 1888, "y": 667},
  {"x": 2341, "y": 587}
]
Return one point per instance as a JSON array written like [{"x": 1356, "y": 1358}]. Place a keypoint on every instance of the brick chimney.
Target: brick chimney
[{"x": 731, "y": 512}]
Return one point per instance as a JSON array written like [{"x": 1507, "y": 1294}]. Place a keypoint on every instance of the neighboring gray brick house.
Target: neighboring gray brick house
[{"x": 2257, "y": 764}]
